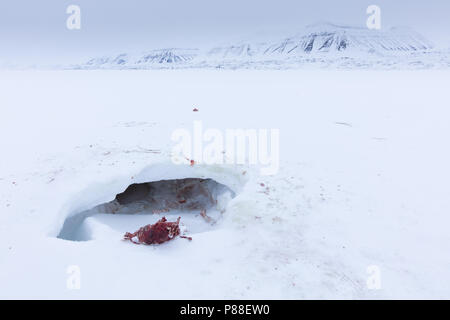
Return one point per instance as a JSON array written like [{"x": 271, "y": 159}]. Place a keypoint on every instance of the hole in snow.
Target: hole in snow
[{"x": 145, "y": 203}]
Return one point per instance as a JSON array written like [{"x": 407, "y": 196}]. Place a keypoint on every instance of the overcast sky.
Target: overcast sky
[{"x": 35, "y": 30}]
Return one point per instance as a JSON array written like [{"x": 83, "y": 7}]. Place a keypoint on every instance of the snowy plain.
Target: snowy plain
[{"x": 363, "y": 181}]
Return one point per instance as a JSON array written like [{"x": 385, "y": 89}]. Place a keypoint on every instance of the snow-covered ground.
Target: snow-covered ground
[{"x": 363, "y": 182}]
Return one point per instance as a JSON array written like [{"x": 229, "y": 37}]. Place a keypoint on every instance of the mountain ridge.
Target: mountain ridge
[{"x": 325, "y": 43}]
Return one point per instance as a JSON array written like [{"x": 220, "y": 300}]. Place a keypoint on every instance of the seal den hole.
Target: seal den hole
[{"x": 199, "y": 202}]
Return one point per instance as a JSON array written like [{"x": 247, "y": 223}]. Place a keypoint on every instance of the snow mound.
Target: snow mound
[
  {"x": 319, "y": 45},
  {"x": 201, "y": 202}
]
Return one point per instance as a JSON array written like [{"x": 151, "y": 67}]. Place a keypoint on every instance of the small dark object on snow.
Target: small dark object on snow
[
  {"x": 157, "y": 233},
  {"x": 195, "y": 110}
]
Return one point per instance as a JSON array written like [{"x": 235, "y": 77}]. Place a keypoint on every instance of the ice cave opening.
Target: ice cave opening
[{"x": 199, "y": 202}]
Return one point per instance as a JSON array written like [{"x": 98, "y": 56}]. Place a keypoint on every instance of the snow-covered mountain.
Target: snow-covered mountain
[
  {"x": 330, "y": 38},
  {"x": 324, "y": 43},
  {"x": 160, "y": 56}
]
